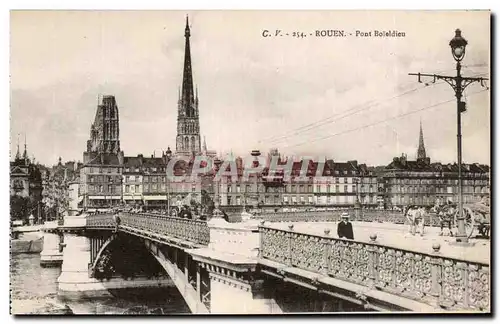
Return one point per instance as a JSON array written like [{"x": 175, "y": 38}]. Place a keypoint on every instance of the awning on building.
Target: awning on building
[
  {"x": 155, "y": 197},
  {"x": 132, "y": 198},
  {"x": 103, "y": 197}
]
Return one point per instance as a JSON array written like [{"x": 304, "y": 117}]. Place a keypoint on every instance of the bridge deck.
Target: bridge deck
[{"x": 398, "y": 236}]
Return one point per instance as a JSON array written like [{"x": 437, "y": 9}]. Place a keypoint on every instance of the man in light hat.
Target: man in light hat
[{"x": 344, "y": 228}]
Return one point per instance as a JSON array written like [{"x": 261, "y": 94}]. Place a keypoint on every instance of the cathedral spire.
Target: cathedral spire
[
  {"x": 187, "y": 79},
  {"x": 421, "y": 148},
  {"x": 204, "y": 144},
  {"x": 188, "y": 124}
]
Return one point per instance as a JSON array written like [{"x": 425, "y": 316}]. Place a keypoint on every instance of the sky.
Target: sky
[{"x": 346, "y": 98}]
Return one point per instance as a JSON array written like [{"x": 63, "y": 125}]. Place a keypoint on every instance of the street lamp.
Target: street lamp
[
  {"x": 458, "y": 83},
  {"x": 217, "y": 213},
  {"x": 169, "y": 157},
  {"x": 458, "y": 44}
]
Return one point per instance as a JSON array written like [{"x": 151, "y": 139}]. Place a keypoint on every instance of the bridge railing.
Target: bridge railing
[
  {"x": 101, "y": 221},
  {"x": 426, "y": 277},
  {"x": 365, "y": 215},
  {"x": 195, "y": 231}
]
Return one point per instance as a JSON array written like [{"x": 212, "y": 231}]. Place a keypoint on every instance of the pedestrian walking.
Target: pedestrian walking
[{"x": 344, "y": 228}]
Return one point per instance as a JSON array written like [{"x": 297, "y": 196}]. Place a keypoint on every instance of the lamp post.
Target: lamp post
[
  {"x": 458, "y": 83},
  {"x": 169, "y": 157},
  {"x": 256, "y": 154},
  {"x": 217, "y": 213}
]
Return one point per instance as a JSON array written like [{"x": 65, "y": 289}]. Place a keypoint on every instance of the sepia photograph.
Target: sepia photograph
[{"x": 167, "y": 162}]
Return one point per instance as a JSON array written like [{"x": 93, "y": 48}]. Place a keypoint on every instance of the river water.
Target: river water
[{"x": 33, "y": 290}]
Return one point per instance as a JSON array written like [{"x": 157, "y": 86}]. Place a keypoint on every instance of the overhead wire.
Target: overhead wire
[{"x": 378, "y": 122}]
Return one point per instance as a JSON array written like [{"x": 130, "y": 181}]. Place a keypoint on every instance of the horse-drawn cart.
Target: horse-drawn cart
[{"x": 477, "y": 217}]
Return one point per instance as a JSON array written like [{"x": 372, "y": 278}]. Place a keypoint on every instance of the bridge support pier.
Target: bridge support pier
[
  {"x": 51, "y": 254},
  {"x": 231, "y": 294}
]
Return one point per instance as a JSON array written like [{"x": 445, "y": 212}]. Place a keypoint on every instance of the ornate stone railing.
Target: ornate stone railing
[
  {"x": 381, "y": 216},
  {"x": 195, "y": 231},
  {"x": 102, "y": 221},
  {"x": 300, "y": 216},
  {"x": 434, "y": 279}
]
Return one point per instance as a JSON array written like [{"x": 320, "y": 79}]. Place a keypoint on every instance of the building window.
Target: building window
[
  {"x": 346, "y": 180},
  {"x": 337, "y": 188},
  {"x": 353, "y": 188},
  {"x": 155, "y": 179},
  {"x": 318, "y": 188},
  {"x": 127, "y": 188},
  {"x": 309, "y": 188},
  {"x": 136, "y": 188},
  {"x": 238, "y": 190},
  {"x": 101, "y": 189},
  {"x": 146, "y": 187},
  {"x": 153, "y": 187},
  {"x": 328, "y": 188},
  {"x": 337, "y": 180},
  {"x": 345, "y": 188}
]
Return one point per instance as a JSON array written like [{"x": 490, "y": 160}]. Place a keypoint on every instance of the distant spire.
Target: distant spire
[
  {"x": 18, "y": 155},
  {"x": 25, "y": 154},
  {"x": 204, "y": 144},
  {"x": 421, "y": 148}
]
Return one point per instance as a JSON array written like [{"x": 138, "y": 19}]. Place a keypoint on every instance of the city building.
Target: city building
[
  {"x": 420, "y": 182},
  {"x": 101, "y": 172},
  {"x": 25, "y": 186}
]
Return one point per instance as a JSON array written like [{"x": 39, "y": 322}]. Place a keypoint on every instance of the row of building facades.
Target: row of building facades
[{"x": 108, "y": 178}]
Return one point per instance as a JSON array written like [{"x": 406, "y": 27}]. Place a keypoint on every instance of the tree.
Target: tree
[{"x": 19, "y": 207}]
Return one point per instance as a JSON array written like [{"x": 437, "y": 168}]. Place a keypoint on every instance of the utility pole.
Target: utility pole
[{"x": 458, "y": 83}]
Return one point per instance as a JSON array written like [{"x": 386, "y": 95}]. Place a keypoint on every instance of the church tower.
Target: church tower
[
  {"x": 421, "y": 148},
  {"x": 105, "y": 131},
  {"x": 188, "y": 121}
]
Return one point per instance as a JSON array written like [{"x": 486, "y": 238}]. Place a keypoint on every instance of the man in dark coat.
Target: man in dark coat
[{"x": 344, "y": 229}]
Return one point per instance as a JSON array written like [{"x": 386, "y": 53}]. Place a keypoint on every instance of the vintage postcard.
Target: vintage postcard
[{"x": 250, "y": 162}]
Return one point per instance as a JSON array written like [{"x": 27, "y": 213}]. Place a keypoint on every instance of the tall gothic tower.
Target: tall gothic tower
[
  {"x": 188, "y": 121},
  {"x": 421, "y": 148},
  {"x": 105, "y": 131}
]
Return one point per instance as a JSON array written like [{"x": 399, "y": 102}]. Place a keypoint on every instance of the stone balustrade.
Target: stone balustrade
[
  {"x": 191, "y": 230},
  {"x": 431, "y": 278},
  {"x": 101, "y": 221},
  {"x": 195, "y": 231},
  {"x": 365, "y": 215}
]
